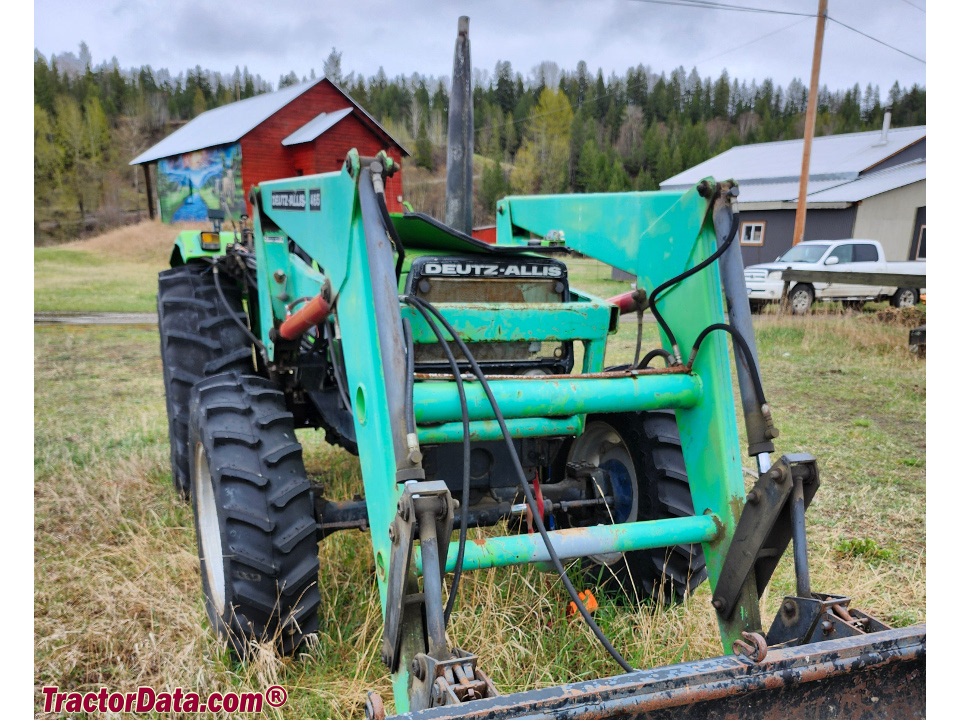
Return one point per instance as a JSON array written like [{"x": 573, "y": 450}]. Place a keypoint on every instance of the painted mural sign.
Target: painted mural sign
[{"x": 192, "y": 183}]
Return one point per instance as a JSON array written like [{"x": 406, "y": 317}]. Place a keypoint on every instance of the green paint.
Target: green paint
[
  {"x": 490, "y": 429},
  {"x": 579, "y": 542},
  {"x": 654, "y": 235},
  {"x": 187, "y": 246},
  {"x": 556, "y": 395}
]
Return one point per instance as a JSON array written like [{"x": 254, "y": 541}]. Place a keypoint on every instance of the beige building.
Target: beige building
[{"x": 868, "y": 185}]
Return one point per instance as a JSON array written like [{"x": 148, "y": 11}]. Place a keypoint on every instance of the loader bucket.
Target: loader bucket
[{"x": 877, "y": 675}]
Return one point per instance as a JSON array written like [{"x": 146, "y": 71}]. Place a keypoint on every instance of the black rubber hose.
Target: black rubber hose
[
  {"x": 744, "y": 348},
  {"x": 636, "y": 353},
  {"x": 391, "y": 231},
  {"x": 338, "y": 374},
  {"x": 684, "y": 275},
  {"x": 465, "y": 416},
  {"x": 656, "y": 352},
  {"x": 527, "y": 490},
  {"x": 243, "y": 326}
]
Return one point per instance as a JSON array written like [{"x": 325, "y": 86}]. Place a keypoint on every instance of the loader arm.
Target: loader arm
[
  {"x": 656, "y": 236},
  {"x": 337, "y": 263}
]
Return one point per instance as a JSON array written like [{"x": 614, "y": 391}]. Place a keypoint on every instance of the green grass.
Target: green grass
[
  {"x": 117, "y": 585},
  {"x": 116, "y": 271},
  {"x": 77, "y": 280},
  {"x": 117, "y": 595}
]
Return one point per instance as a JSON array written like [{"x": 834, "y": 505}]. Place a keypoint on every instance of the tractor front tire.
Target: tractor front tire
[
  {"x": 254, "y": 514},
  {"x": 198, "y": 338},
  {"x": 643, "y": 459}
]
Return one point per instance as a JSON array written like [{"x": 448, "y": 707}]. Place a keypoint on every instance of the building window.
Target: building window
[
  {"x": 922, "y": 244},
  {"x": 752, "y": 233}
]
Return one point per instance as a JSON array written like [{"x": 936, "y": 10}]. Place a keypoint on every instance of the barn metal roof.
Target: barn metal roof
[
  {"x": 225, "y": 124},
  {"x": 316, "y": 127},
  {"x": 872, "y": 184},
  {"x": 832, "y": 157},
  {"x": 229, "y": 123}
]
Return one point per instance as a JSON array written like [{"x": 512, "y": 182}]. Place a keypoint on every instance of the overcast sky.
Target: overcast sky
[{"x": 418, "y": 35}]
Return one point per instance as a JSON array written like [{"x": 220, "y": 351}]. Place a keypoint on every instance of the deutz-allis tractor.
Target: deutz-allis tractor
[{"x": 470, "y": 381}]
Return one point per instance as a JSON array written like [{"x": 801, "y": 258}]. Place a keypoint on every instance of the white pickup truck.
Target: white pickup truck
[{"x": 765, "y": 284}]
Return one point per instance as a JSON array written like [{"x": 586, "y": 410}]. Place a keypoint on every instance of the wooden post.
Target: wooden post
[
  {"x": 809, "y": 125},
  {"x": 148, "y": 185}
]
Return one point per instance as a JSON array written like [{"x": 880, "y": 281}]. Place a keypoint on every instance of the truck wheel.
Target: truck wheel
[
  {"x": 254, "y": 514},
  {"x": 198, "y": 338},
  {"x": 801, "y": 299},
  {"x": 905, "y": 297},
  {"x": 647, "y": 479}
]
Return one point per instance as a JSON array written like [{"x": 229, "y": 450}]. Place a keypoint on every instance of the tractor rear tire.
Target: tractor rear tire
[
  {"x": 254, "y": 514},
  {"x": 643, "y": 457},
  {"x": 198, "y": 338}
]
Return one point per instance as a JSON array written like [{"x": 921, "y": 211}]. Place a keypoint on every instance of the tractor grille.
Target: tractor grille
[{"x": 479, "y": 279}]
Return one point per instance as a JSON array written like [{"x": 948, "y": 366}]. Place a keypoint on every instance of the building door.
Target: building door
[{"x": 918, "y": 247}]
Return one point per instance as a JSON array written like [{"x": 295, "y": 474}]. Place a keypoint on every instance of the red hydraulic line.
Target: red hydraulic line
[
  {"x": 627, "y": 302},
  {"x": 314, "y": 312}
]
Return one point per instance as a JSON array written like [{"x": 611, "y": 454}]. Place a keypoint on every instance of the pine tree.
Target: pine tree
[{"x": 424, "y": 148}]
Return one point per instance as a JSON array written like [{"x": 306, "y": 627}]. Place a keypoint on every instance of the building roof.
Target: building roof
[
  {"x": 316, "y": 127},
  {"x": 228, "y": 123},
  {"x": 225, "y": 124},
  {"x": 873, "y": 184},
  {"x": 832, "y": 157}
]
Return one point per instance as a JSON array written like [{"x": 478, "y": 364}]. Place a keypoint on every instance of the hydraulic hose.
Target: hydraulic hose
[
  {"x": 684, "y": 275},
  {"x": 527, "y": 490},
  {"x": 465, "y": 413},
  {"x": 243, "y": 326},
  {"x": 655, "y": 353},
  {"x": 744, "y": 348}
]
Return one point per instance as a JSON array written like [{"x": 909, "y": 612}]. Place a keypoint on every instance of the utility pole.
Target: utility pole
[
  {"x": 810, "y": 124},
  {"x": 459, "y": 213}
]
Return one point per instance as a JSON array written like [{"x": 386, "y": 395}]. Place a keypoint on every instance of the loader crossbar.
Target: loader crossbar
[{"x": 581, "y": 542}]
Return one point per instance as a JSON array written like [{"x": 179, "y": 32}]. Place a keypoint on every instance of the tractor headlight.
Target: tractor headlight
[{"x": 210, "y": 241}]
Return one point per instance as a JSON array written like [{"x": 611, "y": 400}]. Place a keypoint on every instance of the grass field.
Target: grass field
[
  {"x": 117, "y": 585},
  {"x": 116, "y": 271}
]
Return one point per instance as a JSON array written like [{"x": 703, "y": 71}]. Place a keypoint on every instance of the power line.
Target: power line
[
  {"x": 917, "y": 7},
  {"x": 871, "y": 37},
  {"x": 749, "y": 42},
  {"x": 710, "y": 5},
  {"x": 705, "y": 5}
]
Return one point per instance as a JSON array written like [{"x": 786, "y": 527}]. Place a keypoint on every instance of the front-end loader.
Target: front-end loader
[{"x": 470, "y": 381}]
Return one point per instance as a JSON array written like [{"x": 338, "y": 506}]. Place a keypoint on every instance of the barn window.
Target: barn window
[
  {"x": 922, "y": 244},
  {"x": 752, "y": 233}
]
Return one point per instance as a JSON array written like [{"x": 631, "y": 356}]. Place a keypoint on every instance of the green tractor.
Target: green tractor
[{"x": 470, "y": 381}]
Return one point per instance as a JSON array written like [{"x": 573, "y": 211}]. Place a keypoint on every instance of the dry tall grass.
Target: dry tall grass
[{"x": 117, "y": 579}]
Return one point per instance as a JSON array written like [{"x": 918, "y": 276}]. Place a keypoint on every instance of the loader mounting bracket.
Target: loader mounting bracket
[
  {"x": 418, "y": 497},
  {"x": 804, "y": 620},
  {"x": 765, "y": 528},
  {"x": 452, "y": 681}
]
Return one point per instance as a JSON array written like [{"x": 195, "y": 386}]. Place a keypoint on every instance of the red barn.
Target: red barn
[{"x": 219, "y": 155}]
